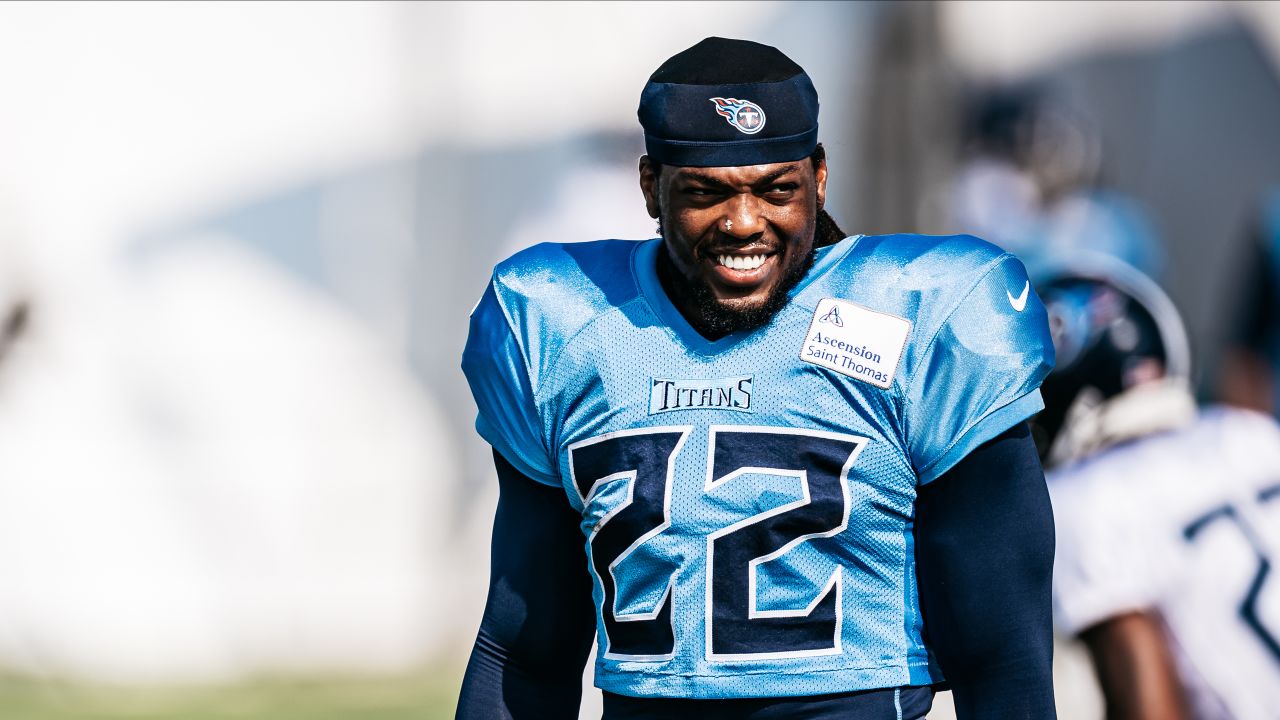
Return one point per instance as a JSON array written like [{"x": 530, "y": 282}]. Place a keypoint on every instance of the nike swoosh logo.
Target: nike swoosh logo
[{"x": 1019, "y": 303}]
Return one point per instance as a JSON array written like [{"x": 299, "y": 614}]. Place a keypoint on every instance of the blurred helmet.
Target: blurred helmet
[{"x": 1123, "y": 362}]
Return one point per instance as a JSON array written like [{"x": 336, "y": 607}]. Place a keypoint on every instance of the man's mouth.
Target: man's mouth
[
  {"x": 742, "y": 270},
  {"x": 741, "y": 262}
]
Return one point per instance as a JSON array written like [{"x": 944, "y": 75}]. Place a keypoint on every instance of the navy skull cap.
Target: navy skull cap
[{"x": 726, "y": 103}]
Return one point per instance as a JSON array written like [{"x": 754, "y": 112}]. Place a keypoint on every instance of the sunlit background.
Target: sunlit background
[{"x": 239, "y": 243}]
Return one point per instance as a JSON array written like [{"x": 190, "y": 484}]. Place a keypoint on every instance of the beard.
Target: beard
[{"x": 717, "y": 318}]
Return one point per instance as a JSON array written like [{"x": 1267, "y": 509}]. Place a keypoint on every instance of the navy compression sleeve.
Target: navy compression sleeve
[
  {"x": 538, "y": 619},
  {"x": 984, "y": 553}
]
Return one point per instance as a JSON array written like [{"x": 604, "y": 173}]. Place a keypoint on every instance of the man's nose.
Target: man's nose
[{"x": 743, "y": 217}]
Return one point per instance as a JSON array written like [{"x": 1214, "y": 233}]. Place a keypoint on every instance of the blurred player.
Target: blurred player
[
  {"x": 797, "y": 462},
  {"x": 1167, "y": 518},
  {"x": 1032, "y": 182},
  {"x": 1251, "y": 362}
]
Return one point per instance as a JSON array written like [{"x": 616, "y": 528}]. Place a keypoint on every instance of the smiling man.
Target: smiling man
[
  {"x": 723, "y": 277},
  {"x": 778, "y": 472}
]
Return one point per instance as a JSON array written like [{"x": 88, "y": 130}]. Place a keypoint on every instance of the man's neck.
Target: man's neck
[
  {"x": 685, "y": 302},
  {"x": 703, "y": 312}
]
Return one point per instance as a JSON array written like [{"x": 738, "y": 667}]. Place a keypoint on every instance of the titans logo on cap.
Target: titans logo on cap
[
  {"x": 742, "y": 114},
  {"x": 679, "y": 128}
]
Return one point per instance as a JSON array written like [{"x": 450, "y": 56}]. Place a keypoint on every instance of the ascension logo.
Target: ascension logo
[
  {"x": 742, "y": 114},
  {"x": 833, "y": 317}
]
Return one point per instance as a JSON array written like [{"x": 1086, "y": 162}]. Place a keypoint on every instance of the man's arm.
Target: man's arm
[
  {"x": 1135, "y": 668},
  {"x": 539, "y": 619},
  {"x": 984, "y": 551}
]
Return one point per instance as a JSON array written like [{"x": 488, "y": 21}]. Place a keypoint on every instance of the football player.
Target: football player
[
  {"x": 1167, "y": 518},
  {"x": 778, "y": 472},
  {"x": 1250, "y": 365}
]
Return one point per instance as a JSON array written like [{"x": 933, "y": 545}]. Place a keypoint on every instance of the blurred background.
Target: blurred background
[{"x": 239, "y": 243}]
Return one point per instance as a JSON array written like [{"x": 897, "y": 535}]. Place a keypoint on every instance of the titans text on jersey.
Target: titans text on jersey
[{"x": 747, "y": 503}]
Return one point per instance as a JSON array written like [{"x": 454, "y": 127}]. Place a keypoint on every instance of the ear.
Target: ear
[
  {"x": 649, "y": 186},
  {"x": 820, "y": 177}
]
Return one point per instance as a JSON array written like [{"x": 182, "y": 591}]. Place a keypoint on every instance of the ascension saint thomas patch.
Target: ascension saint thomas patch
[{"x": 855, "y": 341}]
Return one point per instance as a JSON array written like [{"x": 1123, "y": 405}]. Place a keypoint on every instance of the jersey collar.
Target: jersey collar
[{"x": 644, "y": 266}]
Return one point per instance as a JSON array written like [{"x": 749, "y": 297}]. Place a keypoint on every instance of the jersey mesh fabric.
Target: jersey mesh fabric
[{"x": 813, "y": 469}]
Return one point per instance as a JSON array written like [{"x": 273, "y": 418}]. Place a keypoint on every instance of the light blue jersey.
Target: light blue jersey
[{"x": 747, "y": 503}]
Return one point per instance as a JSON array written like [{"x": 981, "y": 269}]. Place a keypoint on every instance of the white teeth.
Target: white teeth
[{"x": 741, "y": 262}]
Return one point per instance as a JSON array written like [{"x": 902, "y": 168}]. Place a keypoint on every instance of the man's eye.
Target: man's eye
[
  {"x": 781, "y": 190},
  {"x": 699, "y": 191}
]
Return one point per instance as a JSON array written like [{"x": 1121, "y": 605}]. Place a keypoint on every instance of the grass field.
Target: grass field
[
  {"x": 426, "y": 695},
  {"x": 429, "y": 695}
]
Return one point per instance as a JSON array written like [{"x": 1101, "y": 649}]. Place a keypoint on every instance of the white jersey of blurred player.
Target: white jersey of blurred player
[{"x": 1185, "y": 523}]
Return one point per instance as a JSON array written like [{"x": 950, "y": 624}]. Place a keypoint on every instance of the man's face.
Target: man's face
[{"x": 738, "y": 238}]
